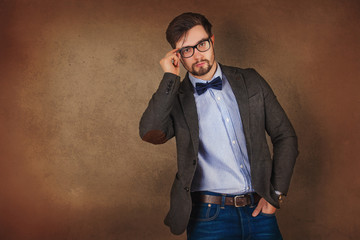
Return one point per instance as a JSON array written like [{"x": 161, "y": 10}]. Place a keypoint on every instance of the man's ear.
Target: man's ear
[{"x": 213, "y": 39}]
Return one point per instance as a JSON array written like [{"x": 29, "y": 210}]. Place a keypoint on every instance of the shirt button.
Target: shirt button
[
  {"x": 227, "y": 119},
  {"x": 233, "y": 142},
  {"x": 241, "y": 166},
  {"x": 218, "y": 98},
  {"x": 247, "y": 188}
]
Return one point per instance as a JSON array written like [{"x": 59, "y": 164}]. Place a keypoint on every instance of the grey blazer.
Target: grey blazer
[{"x": 172, "y": 112}]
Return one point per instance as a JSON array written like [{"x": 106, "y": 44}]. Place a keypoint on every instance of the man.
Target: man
[{"x": 227, "y": 185}]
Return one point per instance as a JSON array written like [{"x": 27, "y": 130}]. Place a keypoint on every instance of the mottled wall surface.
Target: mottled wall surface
[{"x": 75, "y": 77}]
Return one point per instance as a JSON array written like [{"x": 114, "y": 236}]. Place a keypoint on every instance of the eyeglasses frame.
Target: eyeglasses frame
[{"x": 193, "y": 47}]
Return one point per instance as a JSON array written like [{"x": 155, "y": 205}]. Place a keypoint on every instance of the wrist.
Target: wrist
[{"x": 280, "y": 196}]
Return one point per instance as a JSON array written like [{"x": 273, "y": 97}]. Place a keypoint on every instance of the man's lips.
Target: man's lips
[{"x": 200, "y": 64}]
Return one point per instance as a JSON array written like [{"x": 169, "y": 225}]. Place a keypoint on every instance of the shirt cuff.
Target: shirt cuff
[{"x": 278, "y": 192}]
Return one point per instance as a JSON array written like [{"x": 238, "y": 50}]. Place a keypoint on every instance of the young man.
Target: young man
[{"x": 227, "y": 185}]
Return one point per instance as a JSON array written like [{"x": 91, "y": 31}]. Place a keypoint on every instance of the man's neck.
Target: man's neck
[{"x": 209, "y": 75}]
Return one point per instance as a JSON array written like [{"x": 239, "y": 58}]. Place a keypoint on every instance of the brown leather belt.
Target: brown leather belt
[{"x": 237, "y": 201}]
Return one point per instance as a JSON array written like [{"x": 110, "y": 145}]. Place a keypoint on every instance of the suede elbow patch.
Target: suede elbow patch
[{"x": 155, "y": 137}]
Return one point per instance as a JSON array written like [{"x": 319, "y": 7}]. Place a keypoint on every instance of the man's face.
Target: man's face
[{"x": 201, "y": 64}]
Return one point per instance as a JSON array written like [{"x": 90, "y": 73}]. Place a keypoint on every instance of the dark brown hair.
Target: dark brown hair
[{"x": 183, "y": 23}]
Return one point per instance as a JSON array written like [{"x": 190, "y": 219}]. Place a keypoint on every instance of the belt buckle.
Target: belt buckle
[{"x": 236, "y": 197}]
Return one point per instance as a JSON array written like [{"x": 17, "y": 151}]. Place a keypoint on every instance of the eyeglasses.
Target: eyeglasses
[{"x": 202, "y": 46}]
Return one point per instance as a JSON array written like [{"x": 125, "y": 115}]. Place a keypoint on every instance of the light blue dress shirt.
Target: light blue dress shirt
[{"x": 223, "y": 164}]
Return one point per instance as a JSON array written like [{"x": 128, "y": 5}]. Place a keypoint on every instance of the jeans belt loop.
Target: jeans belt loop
[
  {"x": 223, "y": 198},
  {"x": 252, "y": 199}
]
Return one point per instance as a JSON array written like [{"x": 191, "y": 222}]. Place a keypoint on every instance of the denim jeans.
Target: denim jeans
[{"x": 215, "y": 222}]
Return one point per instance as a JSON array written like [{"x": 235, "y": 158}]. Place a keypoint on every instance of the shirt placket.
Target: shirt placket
[{"x": 235, "y": 146}]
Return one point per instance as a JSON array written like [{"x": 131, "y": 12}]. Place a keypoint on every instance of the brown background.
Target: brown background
[{"x": 75, "y": 77}]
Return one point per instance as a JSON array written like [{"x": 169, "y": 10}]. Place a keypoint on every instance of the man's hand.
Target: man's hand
[
  {"x": 170, "y": 63},
  {"x": 265, "y": 207}
]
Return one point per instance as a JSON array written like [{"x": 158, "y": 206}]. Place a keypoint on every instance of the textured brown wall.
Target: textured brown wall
[{"x": 75, "y": 77}]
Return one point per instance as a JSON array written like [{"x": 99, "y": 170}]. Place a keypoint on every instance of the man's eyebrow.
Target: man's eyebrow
[{"x": 204, "y": 39}]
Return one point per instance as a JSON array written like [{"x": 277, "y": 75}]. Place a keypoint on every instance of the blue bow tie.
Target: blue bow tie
[{"x": 203, "y": 87}]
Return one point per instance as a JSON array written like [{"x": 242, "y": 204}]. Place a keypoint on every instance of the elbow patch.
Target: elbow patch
[{"x": 155, "y": 137}]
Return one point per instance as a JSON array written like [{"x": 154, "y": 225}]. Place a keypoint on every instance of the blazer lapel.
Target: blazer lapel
[
  {"x": 238, "y": 86},
  {"x": 187, "y": 100}
]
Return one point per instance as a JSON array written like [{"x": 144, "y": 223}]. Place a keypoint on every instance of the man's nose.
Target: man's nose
[{"x": 197, "y": 54}]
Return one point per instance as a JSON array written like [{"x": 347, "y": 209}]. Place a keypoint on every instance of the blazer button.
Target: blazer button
[
  {"x": 187, "y": 189},
  {"x": 194, "y": 162}
]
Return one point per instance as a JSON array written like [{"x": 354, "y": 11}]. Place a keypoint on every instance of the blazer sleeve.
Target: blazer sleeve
[
  {"x": 156, "y": 124},
  {"x": 283, "y": 138}
]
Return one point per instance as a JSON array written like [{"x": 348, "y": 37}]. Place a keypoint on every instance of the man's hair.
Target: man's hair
[{"x": 183, "y": 23}]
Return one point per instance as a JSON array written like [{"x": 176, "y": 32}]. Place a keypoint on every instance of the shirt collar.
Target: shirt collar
[{"x": 195, "y": 80}]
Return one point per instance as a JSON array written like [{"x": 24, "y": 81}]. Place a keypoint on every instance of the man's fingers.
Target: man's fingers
[
  {"x": 175, "y": 61},
  {"x": 256, "y": 211},
  {"x": 172, "y": 52},
  {"x": 268, "y": 209},
  {"x": 170, "y": 63},
  {"x": 259, "y": 207},
  {"x": 172, "y": 56},
  {"x": 263, "y": 206}
]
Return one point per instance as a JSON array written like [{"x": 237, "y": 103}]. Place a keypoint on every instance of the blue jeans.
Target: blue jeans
[{"x": 215, "y": 222}]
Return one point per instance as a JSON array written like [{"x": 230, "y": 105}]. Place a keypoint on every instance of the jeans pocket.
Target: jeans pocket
[
  {"x": 267, "y": 214},
  {"x": 205, "y": 212}
]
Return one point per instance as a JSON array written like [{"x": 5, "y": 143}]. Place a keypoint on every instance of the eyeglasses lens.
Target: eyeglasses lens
[{"x": 201, "y": 47}]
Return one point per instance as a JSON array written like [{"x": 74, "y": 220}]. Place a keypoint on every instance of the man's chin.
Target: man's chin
[{"x": 201, "y": 71}]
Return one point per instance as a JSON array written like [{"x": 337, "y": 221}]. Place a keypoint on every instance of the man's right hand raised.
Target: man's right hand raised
[{"x": 171, "y": 62}]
